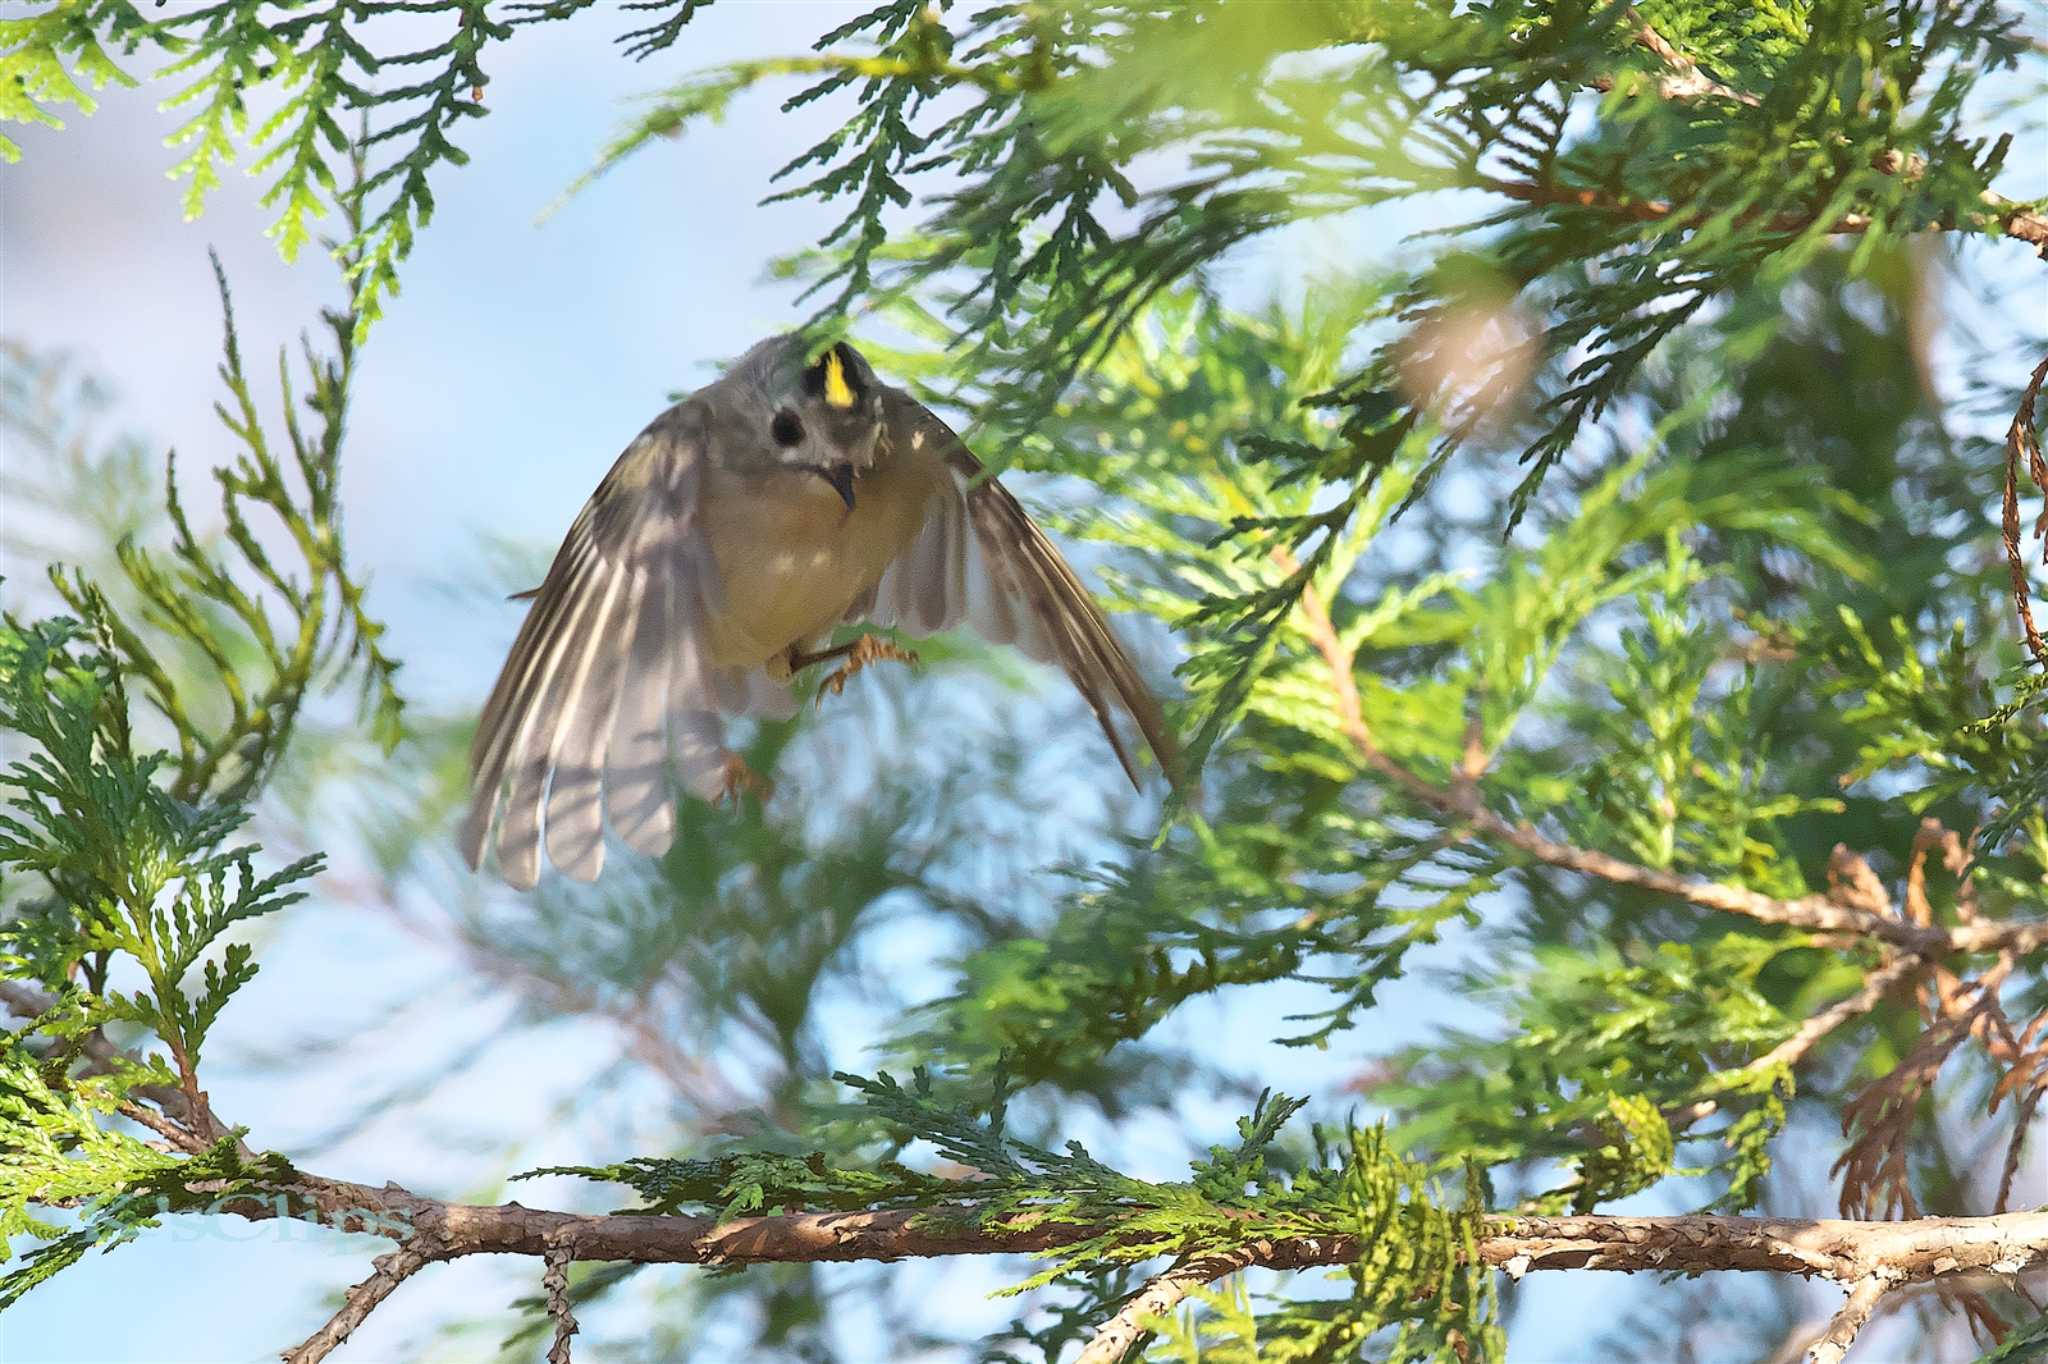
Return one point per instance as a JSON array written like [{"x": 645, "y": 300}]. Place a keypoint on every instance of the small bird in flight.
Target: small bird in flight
[{"x": 727, "y": 543}]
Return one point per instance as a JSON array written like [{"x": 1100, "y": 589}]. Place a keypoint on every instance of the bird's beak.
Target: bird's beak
[{"x": 840, "y": 476}]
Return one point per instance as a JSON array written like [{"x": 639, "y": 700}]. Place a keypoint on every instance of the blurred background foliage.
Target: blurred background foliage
[{"x": 1682, "y": 518}]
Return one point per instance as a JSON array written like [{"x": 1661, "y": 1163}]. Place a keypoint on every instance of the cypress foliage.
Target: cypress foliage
[{"x": 1593, "y": 605}]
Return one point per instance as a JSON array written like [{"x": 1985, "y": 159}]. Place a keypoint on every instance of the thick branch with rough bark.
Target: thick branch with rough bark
[
  {"x": 1846, "y": 1251},
  {"x": 1852, "y": 1253}
]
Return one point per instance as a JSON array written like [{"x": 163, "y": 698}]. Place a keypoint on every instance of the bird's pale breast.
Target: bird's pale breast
[{"x": 792, "y": 557}]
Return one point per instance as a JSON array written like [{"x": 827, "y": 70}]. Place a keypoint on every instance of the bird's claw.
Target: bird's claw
[{"x": 865, "y": 650}]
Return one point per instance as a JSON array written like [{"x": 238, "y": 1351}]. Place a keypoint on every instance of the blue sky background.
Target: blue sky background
[{"x": 516, "y": 363}]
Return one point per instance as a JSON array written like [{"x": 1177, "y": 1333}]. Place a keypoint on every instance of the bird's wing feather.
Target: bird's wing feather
[
  {"x": 609, "y": 667},
  {"x": 979, "y": 559}
]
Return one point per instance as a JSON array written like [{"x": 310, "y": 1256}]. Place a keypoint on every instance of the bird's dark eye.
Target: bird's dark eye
[{"x": 786, "y": 429}]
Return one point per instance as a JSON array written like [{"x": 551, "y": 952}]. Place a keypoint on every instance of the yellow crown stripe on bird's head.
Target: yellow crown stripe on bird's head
[{"x": 838, "y": 393}]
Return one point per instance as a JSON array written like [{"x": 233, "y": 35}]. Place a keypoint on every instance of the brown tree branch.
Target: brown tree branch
[
  {"x": 555, "y": 1283},
  {"x": 1876, "y": 986},
  {"x": 175, "y": 1137},
  {"x": 2013, "y": 220},
  {"x": 177, "y": 1121},
  {"x": 101, "y": 1056},
  {"x": 1793, "y": 1050},
  {"x": 2022, "y": 1124},
  {"x": 1123, "y": 1333},
  {"x": 1846, "y": 1251},
  {"x": 429, "y": 1230},
  {"x": 1841, "y": 1333},
  {"x": 391, "y": 1269}
]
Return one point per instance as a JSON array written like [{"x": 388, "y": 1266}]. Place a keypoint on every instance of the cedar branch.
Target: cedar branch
[
  {"x": 430, "y": 1231},
  {"x": 1461, "y": 802},
  {"x": 1682, "y": 78},
  {"x": 1790, "y": 1052},
  {"x": 2013, "y": 220},
  {"x": 1684, "y": 81}
]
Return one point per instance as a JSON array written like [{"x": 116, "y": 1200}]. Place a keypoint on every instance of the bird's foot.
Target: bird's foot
[
  {"x": 737, "y": 780},
  {"x": 859, "y": 654}
]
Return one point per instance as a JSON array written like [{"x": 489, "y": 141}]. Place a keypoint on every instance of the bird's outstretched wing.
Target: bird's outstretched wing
[
  {"x": 981, "y": 560},
  {"x": 609, "y": 674}
]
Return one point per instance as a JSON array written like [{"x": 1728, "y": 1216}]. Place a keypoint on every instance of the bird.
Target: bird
[{"x": 734, "y": 535}]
